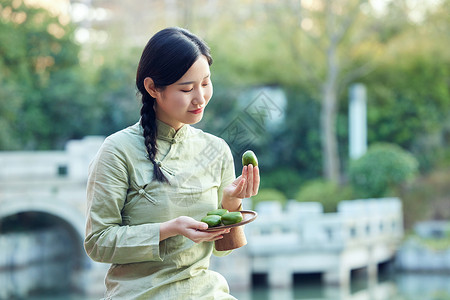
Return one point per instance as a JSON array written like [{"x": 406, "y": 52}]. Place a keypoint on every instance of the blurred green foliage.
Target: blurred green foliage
[
  {"x": 410, "y": 110},
  {"x": 44, "y": 98},
  {"x": 116, "y": 98},
  {"x": 284, "y": 179},
  {"x": 48, "y": 95},
  {"x": 268, "y": 195},
  {"x": 328, "y": 193},
  {"x": 380, "y": 169},
  {"x": 427, "y": 197}
]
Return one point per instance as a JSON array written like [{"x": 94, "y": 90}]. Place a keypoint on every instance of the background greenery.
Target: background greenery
[{"x": 53, "y": 89}]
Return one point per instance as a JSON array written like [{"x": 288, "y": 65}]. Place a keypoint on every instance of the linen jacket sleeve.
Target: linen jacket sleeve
[{"x": 107, "y": 240}]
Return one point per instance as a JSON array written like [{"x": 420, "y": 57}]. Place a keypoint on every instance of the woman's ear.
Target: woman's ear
[{"x": 150, "y": 87}]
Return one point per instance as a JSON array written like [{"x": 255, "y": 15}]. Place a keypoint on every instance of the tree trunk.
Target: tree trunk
[{"x": 331, "y": 165}]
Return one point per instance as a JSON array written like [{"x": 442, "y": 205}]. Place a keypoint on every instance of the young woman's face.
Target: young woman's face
[{"x": 184, "y": 101}]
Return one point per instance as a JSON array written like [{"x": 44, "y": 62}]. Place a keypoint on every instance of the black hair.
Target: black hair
[{"x": 165, "y": 59}]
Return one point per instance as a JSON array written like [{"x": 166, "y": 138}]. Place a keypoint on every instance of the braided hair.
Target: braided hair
[{"x": 165, "y": 59}]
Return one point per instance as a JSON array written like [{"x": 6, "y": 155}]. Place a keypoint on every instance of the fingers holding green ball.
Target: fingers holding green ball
[
  {"x": 248, "y": 158},
  {"x": 222, "y": 216}
]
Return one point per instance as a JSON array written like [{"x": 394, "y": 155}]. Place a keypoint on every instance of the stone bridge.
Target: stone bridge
[
  {"x": 301, "y": 239},
  {"x": 50, "y": 186},
  {"x": 44, "y": 187}
]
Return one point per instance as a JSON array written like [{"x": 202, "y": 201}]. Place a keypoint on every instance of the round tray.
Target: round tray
[{"x": 247, "y": 217}]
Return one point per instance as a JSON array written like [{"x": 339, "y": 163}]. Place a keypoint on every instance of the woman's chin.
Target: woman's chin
[{"x": 194, "y": 119}]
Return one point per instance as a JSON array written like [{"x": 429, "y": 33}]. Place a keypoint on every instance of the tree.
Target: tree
[
  {"x": 333, "y": 42},
  {"x": 318, "y": 48},
  {"x": 45, "y": 99},
  {"x": 408, "y": 90},
  {"x": 10, "y": 103}
]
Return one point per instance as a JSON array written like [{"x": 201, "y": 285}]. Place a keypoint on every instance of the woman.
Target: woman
[{"x": 150, "y": 183}]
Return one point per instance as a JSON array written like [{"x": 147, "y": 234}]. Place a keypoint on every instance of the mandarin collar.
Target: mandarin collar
[{"x": 169, "y": 134}]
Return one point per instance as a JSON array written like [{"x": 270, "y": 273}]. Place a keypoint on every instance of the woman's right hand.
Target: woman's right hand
[{"x": 189, "y": 227}]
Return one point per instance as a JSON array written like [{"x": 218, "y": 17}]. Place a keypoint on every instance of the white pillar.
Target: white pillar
[
  {"x": 340, "y": 276},
  {"x": 280, "y": 274},
  {"x": 280, "y": 278},
  {"x": 357, "y": 121}
]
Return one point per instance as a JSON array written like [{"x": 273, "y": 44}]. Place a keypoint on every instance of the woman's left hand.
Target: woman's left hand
[{"x": 245, "y": 186}]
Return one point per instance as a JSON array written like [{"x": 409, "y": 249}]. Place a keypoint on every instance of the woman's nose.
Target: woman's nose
[{"x": 199, "y": 98}]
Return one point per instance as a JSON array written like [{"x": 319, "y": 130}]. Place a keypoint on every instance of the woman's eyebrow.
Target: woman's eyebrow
[{"x": 191, "y": 82}]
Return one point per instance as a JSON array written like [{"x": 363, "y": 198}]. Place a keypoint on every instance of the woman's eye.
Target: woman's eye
[{"x": 187, "y": 91}]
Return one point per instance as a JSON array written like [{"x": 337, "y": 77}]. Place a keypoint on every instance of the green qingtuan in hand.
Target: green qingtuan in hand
[
  {"x": 249, "y": 158},
  {"x": 232, "y": 218},
  {"x": 212, "y": 220},
  {"x": 219, "y": 211}
]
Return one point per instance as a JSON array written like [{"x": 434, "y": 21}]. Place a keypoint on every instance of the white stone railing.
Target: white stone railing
[
  {"x": 31, "y": 165},
  {"x": 303, "y": 239},
  {"x": 303, "y": 226}
]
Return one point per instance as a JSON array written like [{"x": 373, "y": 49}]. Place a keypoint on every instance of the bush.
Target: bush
[
  {"x": 325, "y": 192},
  {"x": 383, "y": 168},
  {"x": 268, "y": 195},
  {"x": 282, "y": 179},
  {"x": 428, "y": 198}
]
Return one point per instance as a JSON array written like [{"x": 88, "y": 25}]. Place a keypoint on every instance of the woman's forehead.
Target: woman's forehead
[{"x": 199, "y": 71}]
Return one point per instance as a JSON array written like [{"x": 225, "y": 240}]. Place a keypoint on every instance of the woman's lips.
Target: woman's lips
[{"x": 197, "y": 111}]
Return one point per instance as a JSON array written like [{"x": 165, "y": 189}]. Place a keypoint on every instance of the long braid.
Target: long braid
[{"x": 148, "y": 122}]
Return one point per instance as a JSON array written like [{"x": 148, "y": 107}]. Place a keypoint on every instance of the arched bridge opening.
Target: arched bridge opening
[{"x": 42, "y": 250}]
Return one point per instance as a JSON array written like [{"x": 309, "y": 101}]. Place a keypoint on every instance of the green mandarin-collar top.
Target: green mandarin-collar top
[{"x": 126, "y": 207}]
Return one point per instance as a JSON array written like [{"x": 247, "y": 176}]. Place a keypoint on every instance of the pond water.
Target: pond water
[
  {"x": 397, "y": 286},
  {"x": 392, "y": 286}
]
